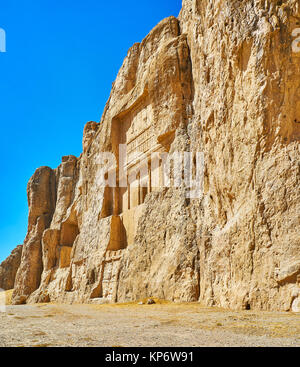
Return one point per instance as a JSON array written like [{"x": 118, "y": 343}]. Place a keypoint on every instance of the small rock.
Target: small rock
[{"x": 150, "y": 302}]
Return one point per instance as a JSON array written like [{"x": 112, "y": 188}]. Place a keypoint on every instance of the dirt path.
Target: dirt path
[{"x": 144, "y": 325}]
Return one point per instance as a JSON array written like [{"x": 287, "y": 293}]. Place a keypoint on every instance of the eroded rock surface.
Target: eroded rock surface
[
  {"x": 223, "y": 79},
  {"x": 9, "y": 268}
]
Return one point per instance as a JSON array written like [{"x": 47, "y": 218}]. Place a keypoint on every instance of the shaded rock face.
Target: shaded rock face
[
  {"x": 223, "y": 79},
  {"x": 9, "y": 268}
]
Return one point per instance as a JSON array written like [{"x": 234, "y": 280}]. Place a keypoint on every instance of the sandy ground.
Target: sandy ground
[{"x": 133, "y": 325}]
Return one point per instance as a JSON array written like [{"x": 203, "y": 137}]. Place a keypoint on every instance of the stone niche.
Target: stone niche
[
  {"x": 137, "y": 173},
  {"x": 68, "y": 235},
  {"x": 135, "y": 131},
  {"x": 58, "y": 243}
]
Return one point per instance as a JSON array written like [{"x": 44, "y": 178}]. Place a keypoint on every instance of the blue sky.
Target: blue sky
[{"x": 56, "y": 75}]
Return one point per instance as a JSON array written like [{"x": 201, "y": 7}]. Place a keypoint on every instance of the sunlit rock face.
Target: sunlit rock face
[
  {"x": 223, "y": 81},
  {"x": 9, "y": 268}
]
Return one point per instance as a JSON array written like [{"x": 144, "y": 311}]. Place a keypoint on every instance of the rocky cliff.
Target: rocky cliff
[
  {"x": 9, "y": 268},
  {"x": 222, "y": 80}
]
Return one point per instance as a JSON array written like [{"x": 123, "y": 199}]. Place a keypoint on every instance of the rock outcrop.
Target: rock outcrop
[
  {"x": 222, "y": 80},
  {"x": 9, "y": 268},
  {"x": 41, "y": 194}
]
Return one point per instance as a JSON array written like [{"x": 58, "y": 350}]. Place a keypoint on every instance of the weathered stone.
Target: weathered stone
[
  {"x": 41, "y": 200},
  {"x": 9, "y": 268},
  {"x": 222, "y": 79}
]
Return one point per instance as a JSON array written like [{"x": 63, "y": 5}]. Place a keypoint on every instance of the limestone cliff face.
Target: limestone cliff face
[
  {"x": 9, "y": 268},
  {"x": 222, "y": 79},
  {"x": 41, "y": 200},
  {"x": 246, "y": 79}
]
